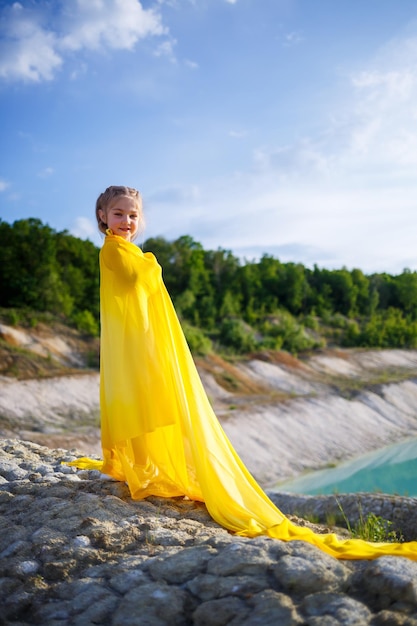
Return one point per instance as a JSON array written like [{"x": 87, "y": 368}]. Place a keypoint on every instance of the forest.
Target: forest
[{"x": 225, "y": 304}]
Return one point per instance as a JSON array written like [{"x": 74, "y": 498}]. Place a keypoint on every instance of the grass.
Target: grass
[
  {"x": 229, "y": 376},
  {"x": 350, "y": 387},
  {"x": 371, "y": 527},
  {"x": 26, "y": 318}
]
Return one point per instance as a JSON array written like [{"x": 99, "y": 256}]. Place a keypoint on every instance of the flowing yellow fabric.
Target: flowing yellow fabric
[{"x": 159, "y": 432}]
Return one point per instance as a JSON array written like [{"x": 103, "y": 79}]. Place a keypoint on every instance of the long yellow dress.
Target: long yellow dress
[{"x": 159, "y": 432}]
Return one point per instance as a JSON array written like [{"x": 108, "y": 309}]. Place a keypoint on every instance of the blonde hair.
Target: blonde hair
[{"x": 115, "y": 191}]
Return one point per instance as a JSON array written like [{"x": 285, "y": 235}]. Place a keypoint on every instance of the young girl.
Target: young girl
[{"x": 159, "y": 432}]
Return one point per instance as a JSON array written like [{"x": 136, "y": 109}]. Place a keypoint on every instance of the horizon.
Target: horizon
[
  {"x": 273, "y": 127},
  {"x": 244, "y": 260}
]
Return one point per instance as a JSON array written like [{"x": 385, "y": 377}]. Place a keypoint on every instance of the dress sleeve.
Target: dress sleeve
[
  {"x": 123, "y": 263},
  {"x": 133, "y": 276}
]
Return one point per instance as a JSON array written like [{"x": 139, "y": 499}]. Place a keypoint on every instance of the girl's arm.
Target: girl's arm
[{"x": 122, "y": 262}]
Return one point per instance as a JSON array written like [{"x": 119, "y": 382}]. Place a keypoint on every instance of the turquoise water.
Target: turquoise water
[{"x": 392, "y": 470}]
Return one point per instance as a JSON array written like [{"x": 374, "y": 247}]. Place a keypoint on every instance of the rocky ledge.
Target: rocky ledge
[{"x": 76, "y": 550}]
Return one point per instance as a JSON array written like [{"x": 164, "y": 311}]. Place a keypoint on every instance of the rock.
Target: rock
[
  {"x": 220, "y": 612},
  {"x": 389, "y": 580},
  {"x": 331, "y": 609},
  {"x": 81, "y": 552},
  {"x": 156, "y": 604},
  {"x": 305, "y": 571}
]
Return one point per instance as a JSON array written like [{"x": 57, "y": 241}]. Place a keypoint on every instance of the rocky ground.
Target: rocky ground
[{"x": 76, "y": 550}]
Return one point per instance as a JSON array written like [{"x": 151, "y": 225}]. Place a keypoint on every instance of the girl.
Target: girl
[{"x": 159, "y": 432}]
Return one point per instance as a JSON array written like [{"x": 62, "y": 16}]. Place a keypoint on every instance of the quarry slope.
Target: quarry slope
[{"x": 284, "y": 415}]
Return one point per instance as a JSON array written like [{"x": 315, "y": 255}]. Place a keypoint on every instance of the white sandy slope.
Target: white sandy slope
[
  {"x": 277, "y": 438},
  {"x": 318, "y": 425},
  {"x": 281, "y": 441}
]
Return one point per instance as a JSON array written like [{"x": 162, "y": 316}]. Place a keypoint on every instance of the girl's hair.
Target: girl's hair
[{"x": 106, "y": 198}]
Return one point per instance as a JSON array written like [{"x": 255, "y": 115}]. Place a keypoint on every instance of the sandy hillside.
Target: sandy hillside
[{"x": 284, "y": 415}]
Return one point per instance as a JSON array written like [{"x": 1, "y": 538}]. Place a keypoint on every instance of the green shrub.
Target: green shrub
[
  {"x": 284, "y": 332},
  {"x": 371, "y": 527},
  {"x": 352, "y": 334},
  {"x": 338, "y": 321},
  {"x": 198, "y": 342},
  {"x": 13, "y": 317},
  {"x": 236, "y": 334},
  {"x": 375, "y": 528},
  {"x": 389, "y": 330},
  {"x": 312, "y": 322},
  {"x": 86, "y": 323}
]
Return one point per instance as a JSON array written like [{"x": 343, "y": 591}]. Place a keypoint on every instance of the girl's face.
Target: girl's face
[{"x": 122, "y": 217}]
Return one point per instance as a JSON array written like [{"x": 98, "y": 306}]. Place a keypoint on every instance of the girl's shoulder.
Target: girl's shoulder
[
  {"x": 115, "y": 246},
  {"x": 115, "y": 243}
]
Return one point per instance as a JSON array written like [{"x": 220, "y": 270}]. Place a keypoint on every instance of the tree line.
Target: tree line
[
  {"x": 221, "y": 300},
  {"x": 47, "y": 271}
]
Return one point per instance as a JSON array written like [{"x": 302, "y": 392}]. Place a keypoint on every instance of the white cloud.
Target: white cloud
[
  {"x": 85, "y": 228},
  {"x": 231, "y": 1},
  {"x": 384, "y": 135},
  {"x": 27, "y": 51},
  {"x": 79, "y": 71},
  {"x": 373, "y": 140},
  {"x": 34, "y": 43},
  {"x": 166, "y": 49},
  {"x": 3, "y": 185},
  {"x": 307, "y": 157},
  {"x": 176, "y": 194},
  {"x": 395, "y": 85},
  {"x": 237, "y": 134},
  {"x": 331, "y": 225},
  {"x": 117, "y": 24},
  {"x": 292, "y": 39},
  {"x": 191, "y": 64},
  {"x": 46, "y": 172}
]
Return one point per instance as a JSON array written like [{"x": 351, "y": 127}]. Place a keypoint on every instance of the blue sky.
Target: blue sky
[{"x": 286, "y": 127}]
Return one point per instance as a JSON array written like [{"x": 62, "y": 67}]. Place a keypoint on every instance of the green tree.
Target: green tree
[
  {"x": 269, "y": 270},
  {"x": 294, "y": 288},
  {"x": 77, "y": 261},
  {"x": 166, "y": 255},
  {"x": 406, "y": 286},
  {"x": 250, "y": 286},
  {"x": 28, "y": 267},
  {"x": 47, "y": 271},
  {"x": 365, "y": 301},
  {"x": 384, "y": 286},
  {"x": 223, "y": 268}
]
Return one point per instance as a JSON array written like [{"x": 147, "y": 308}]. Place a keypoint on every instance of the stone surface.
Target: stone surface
[{"x": 77, "y": 551}]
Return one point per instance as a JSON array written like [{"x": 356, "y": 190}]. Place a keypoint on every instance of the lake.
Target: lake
[{"x": 392, "y": 470}]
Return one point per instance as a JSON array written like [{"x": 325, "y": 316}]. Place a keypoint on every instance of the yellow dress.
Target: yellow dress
[{"x": 159, "y": 431}]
